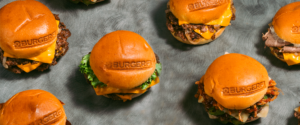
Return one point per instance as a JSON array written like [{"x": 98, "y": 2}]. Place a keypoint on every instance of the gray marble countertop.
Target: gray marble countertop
[{"x": 171, "y": 101}]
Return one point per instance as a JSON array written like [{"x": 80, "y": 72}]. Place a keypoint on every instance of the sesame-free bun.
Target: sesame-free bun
[
  {"x": 201, "y": 40},
  {"x": 33, "y": 107},
  {"x": 286, "y": 23},
  {"x": 27, "y": 28},
  {"x": 236, "y": 81},
  {"x": 122, "y": 59},
  {"x": 189, "y": 10}
]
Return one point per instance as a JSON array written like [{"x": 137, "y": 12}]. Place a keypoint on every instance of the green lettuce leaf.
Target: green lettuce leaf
[
  {"x": 152, "y": 77},
  {"x": 214, "y": 111},
  {"x": 236, "y": 122},
  {"x": 85, "y": 68}
]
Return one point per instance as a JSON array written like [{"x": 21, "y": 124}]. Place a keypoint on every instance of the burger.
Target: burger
[
  {"x": 283, "y": 35},
  {"x": 297, "y": 114},
  {"x": 236, "y": 89},
  {"x": 121, "y": 66},
  {"x": 199, "y": 21},
  {"x": 33, "y": 107},
  {"x": 87, "y": 2},
  {"x": 31, "y": 37}
]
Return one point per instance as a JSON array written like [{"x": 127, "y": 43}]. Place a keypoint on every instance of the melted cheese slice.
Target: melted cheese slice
[
  {"x": 224, "y": 20},
  {"x": 110, "y": 90},
  {"x": 205, "y": 35},
  {"x": 125, "y": 97},
  {"x": 44, "y": 57},
  {"x": 180, "y": 22},
  {"x": 29, "y": 67},
  {"x": 291, "y": 58}
]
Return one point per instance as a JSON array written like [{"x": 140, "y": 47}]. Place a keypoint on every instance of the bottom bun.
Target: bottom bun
[
  {"x": 201, "y": 40},
  {"x": 252, "y": 120},
  {"x": 116, "y": 97},
  {"x": 214, "y": 117}
]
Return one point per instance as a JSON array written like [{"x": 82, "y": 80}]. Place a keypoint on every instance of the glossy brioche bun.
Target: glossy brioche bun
[
  {"x": 27, "y": 28},
  {"x": 33, "y": 107},
  {"x": 201, "y": 40},
  {"x": 286, "y": 23},
  {"x": 182, "y": 9},
  {"x": 229, "y": 73},
  {"x": 122, "y": 59}
]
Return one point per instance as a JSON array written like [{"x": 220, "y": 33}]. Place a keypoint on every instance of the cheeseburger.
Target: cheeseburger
[
  {"x": 236, "y": 88},
  {"x": 33, "y": 107},
  {"x": 87, "y": 2},
  {"x": 283, "y": 36},
  {"x": 297, "y": 114},
  {"x": 121, "y": 66},
  {"x": 199, "y": 21},
  {"x": 31, "y": 37}
]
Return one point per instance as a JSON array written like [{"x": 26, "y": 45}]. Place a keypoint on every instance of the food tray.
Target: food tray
[{"x": 172, "y": 101}]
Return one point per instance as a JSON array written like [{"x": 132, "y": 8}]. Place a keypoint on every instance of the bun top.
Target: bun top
[
  {"x": 122, "y": 59},
  {"x": 286, "y": 23},
  {"x": 236, "y": 81},
  {"x": 198, "y": 11},
  {"x": 27, "y": 28},
  {"x": 33, "y": 107}
]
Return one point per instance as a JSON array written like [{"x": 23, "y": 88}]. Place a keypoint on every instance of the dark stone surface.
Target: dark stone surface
[{"x": 172, "y": 100}]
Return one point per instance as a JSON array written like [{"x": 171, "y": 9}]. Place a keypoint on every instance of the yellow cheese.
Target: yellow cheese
[
  {"x": 205, "y": 35},
  {"x": 291, "y": 58},
  {"x": 44, "y": 57},
  {"x": 110, "y": 90},
  {"x": 29, "y": 67},
  {"x": 180, "y": 22},
  {"x": 224, "y": 20},
  {"x": 125, "y": 97}
]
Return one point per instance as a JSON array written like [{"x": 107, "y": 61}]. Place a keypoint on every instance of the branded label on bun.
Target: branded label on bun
[
  {"x": 48, "y": 119},
  {"x": 34, "y": 42},
  {"x": 243, "y": 90},
  {"x": 128, "y": 65},
  {"x": 296, "y": 29},
  {"x": 205, "y": 4}
]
